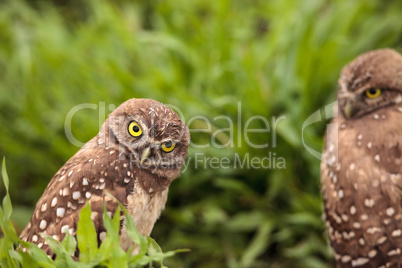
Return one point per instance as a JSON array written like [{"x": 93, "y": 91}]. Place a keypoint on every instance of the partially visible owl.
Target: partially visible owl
[
  {"x": 362, "y": 165},
  {"x": 138, "y": 152}
]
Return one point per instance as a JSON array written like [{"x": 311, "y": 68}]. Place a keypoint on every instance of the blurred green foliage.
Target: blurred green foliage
[{"x": 276, "y": 58}]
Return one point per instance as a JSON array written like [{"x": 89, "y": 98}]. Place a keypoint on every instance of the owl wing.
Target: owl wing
[
  {"x": 85, "y": 177},
  {"x": 362, "y": 194}
]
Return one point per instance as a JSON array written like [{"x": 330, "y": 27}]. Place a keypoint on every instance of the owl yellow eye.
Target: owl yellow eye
[
  {"x": 373, "y": 93},
  {"x": 134, "y": 129},
  {"x": 167, "y": 147}
]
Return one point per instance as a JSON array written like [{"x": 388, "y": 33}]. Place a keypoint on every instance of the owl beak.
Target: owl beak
[
  {"x": 145, "y": 154},
  {"x": 350, "y": 109}
]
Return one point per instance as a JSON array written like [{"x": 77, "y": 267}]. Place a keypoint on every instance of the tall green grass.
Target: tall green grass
[{"x": 278, "y": 58}]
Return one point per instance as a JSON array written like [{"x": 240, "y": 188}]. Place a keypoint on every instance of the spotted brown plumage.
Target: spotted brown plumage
[
  {"x": 138, "y": 152},
  {"x": 362, "y": 165}
]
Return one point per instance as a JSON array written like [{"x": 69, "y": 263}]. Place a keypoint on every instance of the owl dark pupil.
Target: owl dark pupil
[
  {"x": 168, "y": 144},
  {"x": 372, "y": 91},
  {"x": 136, "y": 128}
]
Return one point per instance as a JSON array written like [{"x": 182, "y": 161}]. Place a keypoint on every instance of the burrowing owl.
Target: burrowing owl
[
  {"x": 362, "y": 166},
  {"x": 138, "y": 152}
]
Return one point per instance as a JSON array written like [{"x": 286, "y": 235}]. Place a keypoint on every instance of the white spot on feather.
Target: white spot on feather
[
  {"x": 396, "y": 233},
  {"x": 94, "y": 214},
  {"x": 60, "y": 212},
  {"x": 102, "y": 236},
  {"x": 346, "y": 258},
  {"x": 360, "y": 261},
  {"x": 394, "y": 252},
  {"x": 372, "y": 253},
  {"x": 42, "y": 224},
  {"x": 66, "y": 191},
  {"x": 44, "y": 207},
  {"x": 76, "y": 195},
  {"x": 390, "y": 211},
  {"x": 340, "y": 193},
  {"x": 352, "y": 210},
  {"x": 369, "y": 202},
  {"x": 331, "y": 148},
  {"x": 381, "y": 240},
  {"x": 373, "y": 230},
  {"x": 54, "y": 202},
  {"x": 65, "y": 228}
]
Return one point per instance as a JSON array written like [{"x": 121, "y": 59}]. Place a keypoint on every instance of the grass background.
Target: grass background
[{"x": 278, "y": 58}]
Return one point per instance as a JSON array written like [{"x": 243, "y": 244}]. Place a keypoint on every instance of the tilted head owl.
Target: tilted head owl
[
  {"x": 138, "y": 152},
  {"x": 152, "y": 133}
]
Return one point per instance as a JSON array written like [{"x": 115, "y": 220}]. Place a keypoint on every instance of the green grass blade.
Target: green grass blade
[
  {"x": 28, "y": 261},
  {"x": 5, "y": 258},
  {"x": 4, "y": 174},
  {"x": 7, "y": 207},
  {"x": 39, "y": 255},
  {"x": 86, "y": 236}
]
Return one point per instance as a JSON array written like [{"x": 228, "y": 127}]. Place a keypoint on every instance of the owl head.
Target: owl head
[
  {"x": 371, "y": 82},
  {"x": 150, "y": 133}
]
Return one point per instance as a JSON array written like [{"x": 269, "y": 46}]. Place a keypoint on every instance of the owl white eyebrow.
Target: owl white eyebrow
[
  {"x": 346, "y": 94},
  {"x": 169, "y": 140}
]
